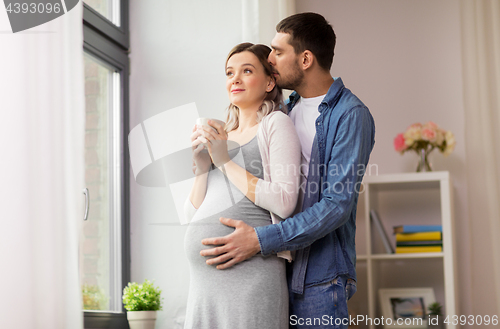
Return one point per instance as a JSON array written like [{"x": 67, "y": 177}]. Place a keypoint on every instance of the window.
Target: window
[
  {"x": 110, "y": 9},
  {"x": 104, "y": 249},
  {"x": 100, "y": 244}
]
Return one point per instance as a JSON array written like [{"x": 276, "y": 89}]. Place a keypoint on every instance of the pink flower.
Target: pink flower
[
  {"x": 429, "y": 134},
  {"x": 432, "y": 125},
  {"x": 399, "y": 143}
]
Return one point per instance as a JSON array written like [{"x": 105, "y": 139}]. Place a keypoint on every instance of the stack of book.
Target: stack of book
[{"x": 418, "y": 238}]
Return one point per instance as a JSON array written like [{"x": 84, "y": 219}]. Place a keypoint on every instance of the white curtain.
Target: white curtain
[
  {"x": 481, "y": 64},
  {"x": 259, "y": 18},
  {"x": 41, "y": 151}
]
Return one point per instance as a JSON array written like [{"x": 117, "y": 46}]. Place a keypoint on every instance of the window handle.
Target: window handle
[{"x": 87, "y": 201}]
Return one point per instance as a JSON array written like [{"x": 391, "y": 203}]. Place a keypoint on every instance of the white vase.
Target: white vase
[{"x": 141, "y": 319}]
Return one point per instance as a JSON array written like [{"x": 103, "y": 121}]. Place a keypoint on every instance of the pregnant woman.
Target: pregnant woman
[{"x": 257, "y": 182}]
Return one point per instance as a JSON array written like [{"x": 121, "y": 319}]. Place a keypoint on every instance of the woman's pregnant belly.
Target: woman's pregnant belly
[
  {"x": 202, "y": 227},
  {"x": 223, "y": 199}
]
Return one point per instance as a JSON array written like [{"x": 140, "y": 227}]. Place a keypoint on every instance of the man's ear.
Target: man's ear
[{"x": 307, "y": 59}]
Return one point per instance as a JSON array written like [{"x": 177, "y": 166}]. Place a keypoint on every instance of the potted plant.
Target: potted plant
[
  {"x": 435, "y": 316},
  {"x": 141, "y": 302}
]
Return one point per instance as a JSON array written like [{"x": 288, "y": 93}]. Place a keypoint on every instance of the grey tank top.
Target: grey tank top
[{"x": 224, "y": 199}]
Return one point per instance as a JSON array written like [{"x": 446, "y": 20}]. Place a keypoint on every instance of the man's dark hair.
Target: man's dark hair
[{"x": 310, "y": 31}]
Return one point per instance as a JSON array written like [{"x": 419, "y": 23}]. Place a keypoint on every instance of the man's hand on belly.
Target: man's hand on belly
[{"x": 233, "y": 248}]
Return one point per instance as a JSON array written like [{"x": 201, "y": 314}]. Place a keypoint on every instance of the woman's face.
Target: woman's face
[{"x": 247, "y": 82}]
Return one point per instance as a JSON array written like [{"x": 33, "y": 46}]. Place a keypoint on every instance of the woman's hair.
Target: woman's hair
[{"x": 273, "y": 100}]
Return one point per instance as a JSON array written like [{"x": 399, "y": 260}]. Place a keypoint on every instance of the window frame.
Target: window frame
[
  {"x": 118, "y": 34},
  {"x": 110, "y": 44}
]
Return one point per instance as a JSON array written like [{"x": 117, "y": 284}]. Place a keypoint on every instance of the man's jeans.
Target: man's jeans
[{"x": 323, "y": 305}]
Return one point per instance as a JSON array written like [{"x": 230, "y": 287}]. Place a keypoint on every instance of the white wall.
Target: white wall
[{"x": 403, "y": 59}]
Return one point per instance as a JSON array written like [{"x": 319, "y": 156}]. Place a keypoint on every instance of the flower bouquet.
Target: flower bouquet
[{"x": 423, "y": 139}]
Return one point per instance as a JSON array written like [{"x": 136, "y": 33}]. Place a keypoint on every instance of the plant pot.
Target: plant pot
[{"x": 141, "y": 319}]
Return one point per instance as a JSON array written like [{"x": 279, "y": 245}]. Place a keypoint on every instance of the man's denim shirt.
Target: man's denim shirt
[{"x": 325, "y": 229}]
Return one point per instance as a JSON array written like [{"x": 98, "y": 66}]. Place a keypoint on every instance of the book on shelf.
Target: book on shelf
[
  {"x": 417, "y": 228},
  {"x": 419, "y": 243},
  {"x": 418, "y": 249},
  {"x": 418, "y": 238},
  {"x": 383, "y": 234},
  {"x": 421, "y": 236}
]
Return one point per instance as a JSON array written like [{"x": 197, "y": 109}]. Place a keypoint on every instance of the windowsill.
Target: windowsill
[{"x": 105, "y": 319}]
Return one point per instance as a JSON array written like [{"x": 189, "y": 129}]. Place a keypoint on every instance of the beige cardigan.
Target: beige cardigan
[{"x": 279, "y": 148}]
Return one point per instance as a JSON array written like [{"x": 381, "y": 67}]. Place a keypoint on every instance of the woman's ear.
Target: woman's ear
[{"x": 270, "y": 85}]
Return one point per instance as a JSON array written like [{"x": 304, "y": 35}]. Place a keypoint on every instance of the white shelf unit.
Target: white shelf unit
[{"x": 407, "y": 199}]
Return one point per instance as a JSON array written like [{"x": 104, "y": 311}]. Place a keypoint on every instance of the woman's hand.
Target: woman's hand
[
  {"x": 215, "y": 140},
  {"x": 201, "y": 159}
]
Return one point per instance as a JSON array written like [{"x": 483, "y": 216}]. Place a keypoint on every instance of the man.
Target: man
[{"x": 336, "y": 131}]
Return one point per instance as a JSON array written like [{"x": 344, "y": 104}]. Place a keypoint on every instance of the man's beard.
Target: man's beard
[{"x": 293, "y": 80}]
